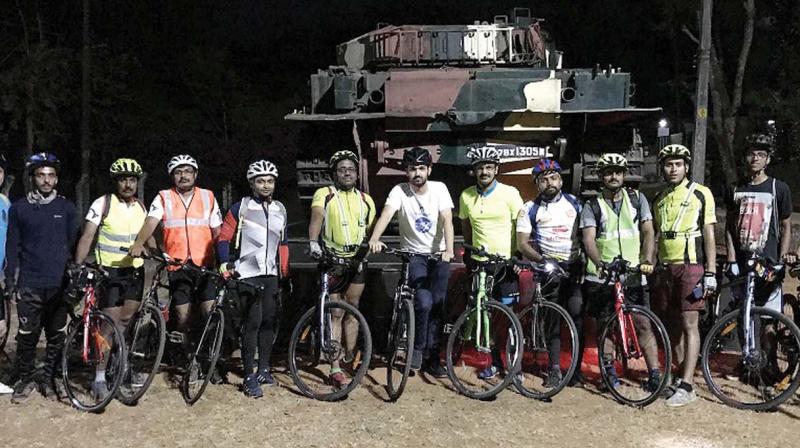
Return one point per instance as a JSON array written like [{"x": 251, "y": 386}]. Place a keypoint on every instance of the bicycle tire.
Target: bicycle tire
[
  {"x": 535, "y": 344},
  {"x": 630, "y": 376},
  {"x": 7, "y": 314},
  {"x": 207, "y": 350},
  {"x": 305, "y": 344},
  {"x": 78, "y": 374},
  {"x": 146, "y": 329},
  {"x": 466, "y": 359},
  {"x": 401, "y": 350},
  {"x": 719, "y": 342}
]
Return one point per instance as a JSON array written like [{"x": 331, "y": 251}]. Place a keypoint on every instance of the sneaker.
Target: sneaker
[
  {"x": 653, "y": 381},
  {"x": 265, "y": 378},
  {"x": 554, "y": 378},
  {"x": 435, "y": 370},
  {"x": 53, "y": 389},
  {"x": 251, "y": 386},
  {"x": 218, "y": 376},
  {"x": 611, "y": 373},
  {"x": 23, "y": 390},
  {"x": 672, "y": 385},
  {"x": 577, "y": 380},
  {"x": 99, "y": 390},
  {"x": 681, "y": 397},
  {"x": 488, "y": 373},
  {"x": 416, "y": 360},
  {"x": 5, "y": 389},
  {"x": 338, "y": 380}
]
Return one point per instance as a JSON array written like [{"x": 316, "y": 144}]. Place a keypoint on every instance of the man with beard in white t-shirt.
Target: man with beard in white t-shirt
[{"x": 426, "y": 227}]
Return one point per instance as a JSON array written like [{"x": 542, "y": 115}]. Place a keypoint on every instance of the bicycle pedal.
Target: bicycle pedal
[
  {"x": 175, "y": 337},
  {"x": 483, "y": 349},
  {"x": 137, "y": 354}
]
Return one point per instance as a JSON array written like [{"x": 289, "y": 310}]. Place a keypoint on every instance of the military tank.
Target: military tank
[{"x": 448, "y": 87}]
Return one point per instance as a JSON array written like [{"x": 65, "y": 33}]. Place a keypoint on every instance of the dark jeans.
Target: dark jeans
[
  {"x": 429, "y": 279},
  {"x": 258, "y": 331},
  {"x": 40, "y": 308}
]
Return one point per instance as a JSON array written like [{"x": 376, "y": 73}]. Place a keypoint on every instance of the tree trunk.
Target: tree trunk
[{"x": 82, "y": 188}]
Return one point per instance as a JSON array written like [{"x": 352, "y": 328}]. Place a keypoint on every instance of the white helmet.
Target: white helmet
[
  {"x": 483, "y": 154},
  {"x": 261, "y": 168},
  {"x": 181, "y": 159}
]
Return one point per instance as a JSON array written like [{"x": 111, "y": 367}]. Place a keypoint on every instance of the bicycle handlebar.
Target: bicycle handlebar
[
  {"x": 548, "y": 268},
  {"x": 404, "y": 253}
]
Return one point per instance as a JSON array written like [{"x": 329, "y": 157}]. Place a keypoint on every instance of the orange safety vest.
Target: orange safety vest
[{"x": 187, "y": 230}]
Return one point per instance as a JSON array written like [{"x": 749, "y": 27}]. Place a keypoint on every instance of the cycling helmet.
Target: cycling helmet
[
  {"x": 41, "y": 159},
  {"x": 417, "y": 156},
  {"x": 546, "y": 166},
  {"x": 761, "y": 141},
  {"x": 612, "y": 160},
  {"x": 338, "y": 156},
  {"x": 126, "y": 167},
  {"x": 261, "y": 168},
  {"x": 676, "y": 151},
  {"x": 179, "y": 160},
  {"x": 483, "y": 154}
]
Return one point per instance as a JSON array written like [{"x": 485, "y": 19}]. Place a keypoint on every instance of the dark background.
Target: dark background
[{"x": 215, "y": 78}]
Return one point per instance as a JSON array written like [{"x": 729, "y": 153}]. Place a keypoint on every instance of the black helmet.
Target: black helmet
[
  {"x": 764, "y": 139},
  {"x": 41, "y": 159},
  {"x": 417, "y": 156}
]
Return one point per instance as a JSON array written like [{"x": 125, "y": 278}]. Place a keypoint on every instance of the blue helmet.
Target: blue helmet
[{"x": 546, "y": 166}]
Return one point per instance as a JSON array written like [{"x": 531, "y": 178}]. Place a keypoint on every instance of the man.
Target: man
[
  {"x": 42, "y": 228},
  {"x": 252, "y": 246},
  {"x": 684, "y": 219},
  {"x": 341, "y": 218},
  {"x": 759, "y": 218},
  {"x": 488, "y": 211},
  {"x": 426, "y": 227},
  {"x": 618, "y": 223},
  {"x": 4, "y": 205},
  {"x": 191, "y": 222},
  {"x": 118, "y": 218},
  {"x": 547, "y": 231}
]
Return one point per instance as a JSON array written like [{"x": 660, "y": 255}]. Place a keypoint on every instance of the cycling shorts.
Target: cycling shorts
[
  {"x": 120, "y": 285},
  {"x": 186, "y": 287},
  {"x": 599, "y": 297},
  {"x": 340, "y": 278},
  {"x": 673, "y": 289}
]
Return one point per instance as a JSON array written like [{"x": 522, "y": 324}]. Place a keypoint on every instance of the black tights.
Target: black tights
[{"x": 258, "y": 331}]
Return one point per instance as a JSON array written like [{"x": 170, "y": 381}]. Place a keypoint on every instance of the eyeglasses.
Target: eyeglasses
[
  {"x": 758, "y": 154},
  {"x": 346, "y": 170}
]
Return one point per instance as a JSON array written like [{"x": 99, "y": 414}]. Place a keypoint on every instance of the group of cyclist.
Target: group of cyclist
[{"x": 250, "y": 242}]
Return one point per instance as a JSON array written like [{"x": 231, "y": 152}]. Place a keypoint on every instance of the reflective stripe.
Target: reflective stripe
[
  {"x": 176, "y": 223},
  {"x": 112, "y": 249},
  {"x": 115, "y": 237},
  {"x": 206, "y": 202},
  {"x": 166, "y": 203}
]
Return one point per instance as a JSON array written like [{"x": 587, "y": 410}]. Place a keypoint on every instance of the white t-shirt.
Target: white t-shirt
[
  {"x": 157, "y": 210},
  {"x": 418, "y": 215},
  {"x": 555, "y": 224}
]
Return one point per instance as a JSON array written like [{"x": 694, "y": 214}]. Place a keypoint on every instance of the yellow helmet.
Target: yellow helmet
[
  {"x": 676, "y": 151},
  {"x": 126, "y": 167}
]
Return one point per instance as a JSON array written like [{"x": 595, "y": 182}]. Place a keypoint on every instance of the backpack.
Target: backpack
[{"x": 538, "y": 202}]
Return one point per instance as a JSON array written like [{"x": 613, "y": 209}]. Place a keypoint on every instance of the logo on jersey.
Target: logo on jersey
[{"x": 423, "y": 224}]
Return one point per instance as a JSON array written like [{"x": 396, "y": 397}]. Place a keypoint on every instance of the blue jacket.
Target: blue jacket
[{"x": 40, "y": 242}]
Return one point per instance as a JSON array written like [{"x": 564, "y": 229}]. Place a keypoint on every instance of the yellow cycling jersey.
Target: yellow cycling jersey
[
  {"x": 492, "y": 215},
  {"x": 680, "y": 212}
]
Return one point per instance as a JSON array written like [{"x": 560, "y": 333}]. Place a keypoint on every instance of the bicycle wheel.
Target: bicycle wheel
[
  {"x": 145, "y": 337},
  {"x": 401, "y": 348},
  {"x": 627, "y": 373},
  {"x": 203, "y": 359},
  {"x": 549, "y": 350},
  {"x": 85, "y": 354},
  {"x": 758, "y": 381},
  {"x": 306, "y": 352},
  {"x": 466, "y": 359}
]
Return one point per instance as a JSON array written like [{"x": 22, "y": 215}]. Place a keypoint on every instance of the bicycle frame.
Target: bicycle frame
[
  {"x": 402, "y": 291},
  {"x": 324, "y": 321},
  {"x": 90, "y": 305},
  {"x": 625, "y": 322},
  {"x": 482, "y": 331}
]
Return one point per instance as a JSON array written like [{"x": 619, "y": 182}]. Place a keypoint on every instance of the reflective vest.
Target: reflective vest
[
  {"x": 118, "y": 229},
  {"x": 187, "y": 230},
  {"x": 616, "y": 234}
]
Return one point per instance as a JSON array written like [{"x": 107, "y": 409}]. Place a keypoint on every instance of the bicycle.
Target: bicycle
[
  {"x": 546, "y": 328},
  {"x": 315, "y": 340},
  {"x": 93, "y": 341},
  {"x": 145, "y": 336},
  {"x": 750, "y": 356},
  {"x": 624, "y": 367},
  {"x": 204, "y": 357},
  {"x": 475, "y": 339},
  {"x": 402, "y": 326}
]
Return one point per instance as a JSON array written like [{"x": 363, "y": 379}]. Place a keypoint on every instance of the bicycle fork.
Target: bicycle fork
[
  {"x": 324, "y": 319},
  {"x": 481, "y": 317},
  {"x": 749, "y": 347}
]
